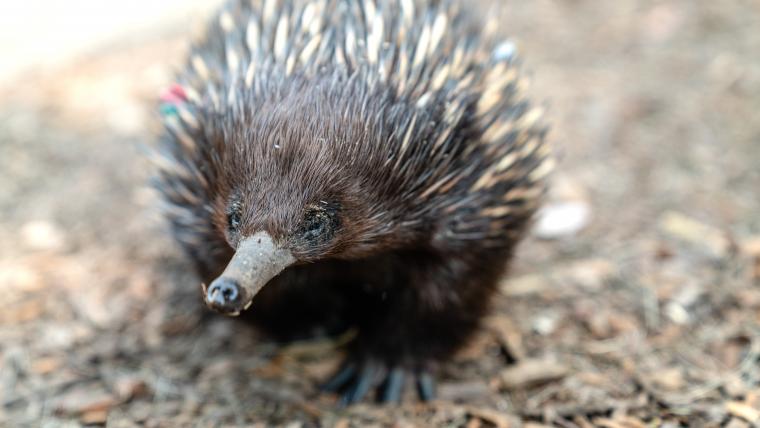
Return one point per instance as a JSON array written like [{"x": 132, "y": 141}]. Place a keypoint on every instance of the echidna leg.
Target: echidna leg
[
  {"x": 406, "y": 328},
  {"x": 355, "y": 382}
]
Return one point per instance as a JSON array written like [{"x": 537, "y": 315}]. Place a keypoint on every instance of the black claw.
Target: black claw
[
  {"x": 340, "y": 378},
  {"x": 426, "y": 386},
  {"x": 394, "y": 386},
  {"x": 361, "y": 387},
  {"x": 355, "y": 380}
]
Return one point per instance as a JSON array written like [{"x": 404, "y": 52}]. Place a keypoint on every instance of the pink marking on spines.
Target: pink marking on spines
[{"x": 174, "y": 94}]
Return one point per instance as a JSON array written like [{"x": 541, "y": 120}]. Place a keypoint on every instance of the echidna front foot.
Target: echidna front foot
[
  {"x": 431, "y": 307},
  {"x": 355, "y": 380}
]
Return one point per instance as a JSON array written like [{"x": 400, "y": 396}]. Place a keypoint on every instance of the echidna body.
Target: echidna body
[{"x": 379, "y": 158}]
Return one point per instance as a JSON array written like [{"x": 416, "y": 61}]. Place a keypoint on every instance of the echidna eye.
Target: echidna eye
[
  {"x": 313, "y": 225},
  {"x": 319, "y": 224},
  {"x": 234, "y": 216}
]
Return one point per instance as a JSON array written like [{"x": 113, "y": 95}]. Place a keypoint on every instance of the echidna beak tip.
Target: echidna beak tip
[{"x": 226, "y": 296}]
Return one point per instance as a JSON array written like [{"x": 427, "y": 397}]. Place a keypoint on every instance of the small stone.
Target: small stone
[
  {"x": 42, "y": 235},
  {"x": 680, "y": 307},
  {"x": 562, "y": 219},
  {"x": 677, "y": 313},
  {"x": 545, "y": 324}
]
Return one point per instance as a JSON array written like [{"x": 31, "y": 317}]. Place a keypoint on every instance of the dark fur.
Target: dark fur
[{"x": 411, "y": 266}]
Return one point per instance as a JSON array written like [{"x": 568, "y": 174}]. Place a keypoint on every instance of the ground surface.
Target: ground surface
[{"x": 648, "y": 316}]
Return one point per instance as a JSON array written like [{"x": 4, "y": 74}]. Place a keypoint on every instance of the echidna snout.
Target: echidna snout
[{"x": 257, "y": 260}]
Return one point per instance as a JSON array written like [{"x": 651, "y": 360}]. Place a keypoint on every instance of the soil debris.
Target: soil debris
[{"x": 641, "y": 309}]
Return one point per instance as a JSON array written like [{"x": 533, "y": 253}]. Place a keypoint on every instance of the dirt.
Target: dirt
[{"x": 644, "y": 312}]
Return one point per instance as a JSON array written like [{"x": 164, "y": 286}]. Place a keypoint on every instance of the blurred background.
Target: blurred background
[{"x": 635, "y": 302}]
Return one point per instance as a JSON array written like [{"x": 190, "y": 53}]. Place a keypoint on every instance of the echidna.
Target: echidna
[{"x": 381, "y": 152}]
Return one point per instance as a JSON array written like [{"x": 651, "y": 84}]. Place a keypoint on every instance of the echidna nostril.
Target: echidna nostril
[
  {"x": 229, "y": 293},
  {"x": 223, "y": 293}
]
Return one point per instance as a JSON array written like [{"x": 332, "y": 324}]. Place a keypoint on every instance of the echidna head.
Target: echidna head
[
  {"x": 289, "y": 194},
  {"x": 264, "y": 251}
]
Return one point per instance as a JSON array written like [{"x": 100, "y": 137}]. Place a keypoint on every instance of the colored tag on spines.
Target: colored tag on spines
[{"x": 171, "y": 98}]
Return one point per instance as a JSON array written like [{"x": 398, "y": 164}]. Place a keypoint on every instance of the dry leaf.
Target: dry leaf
[{"x": 528, "y": 373}]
